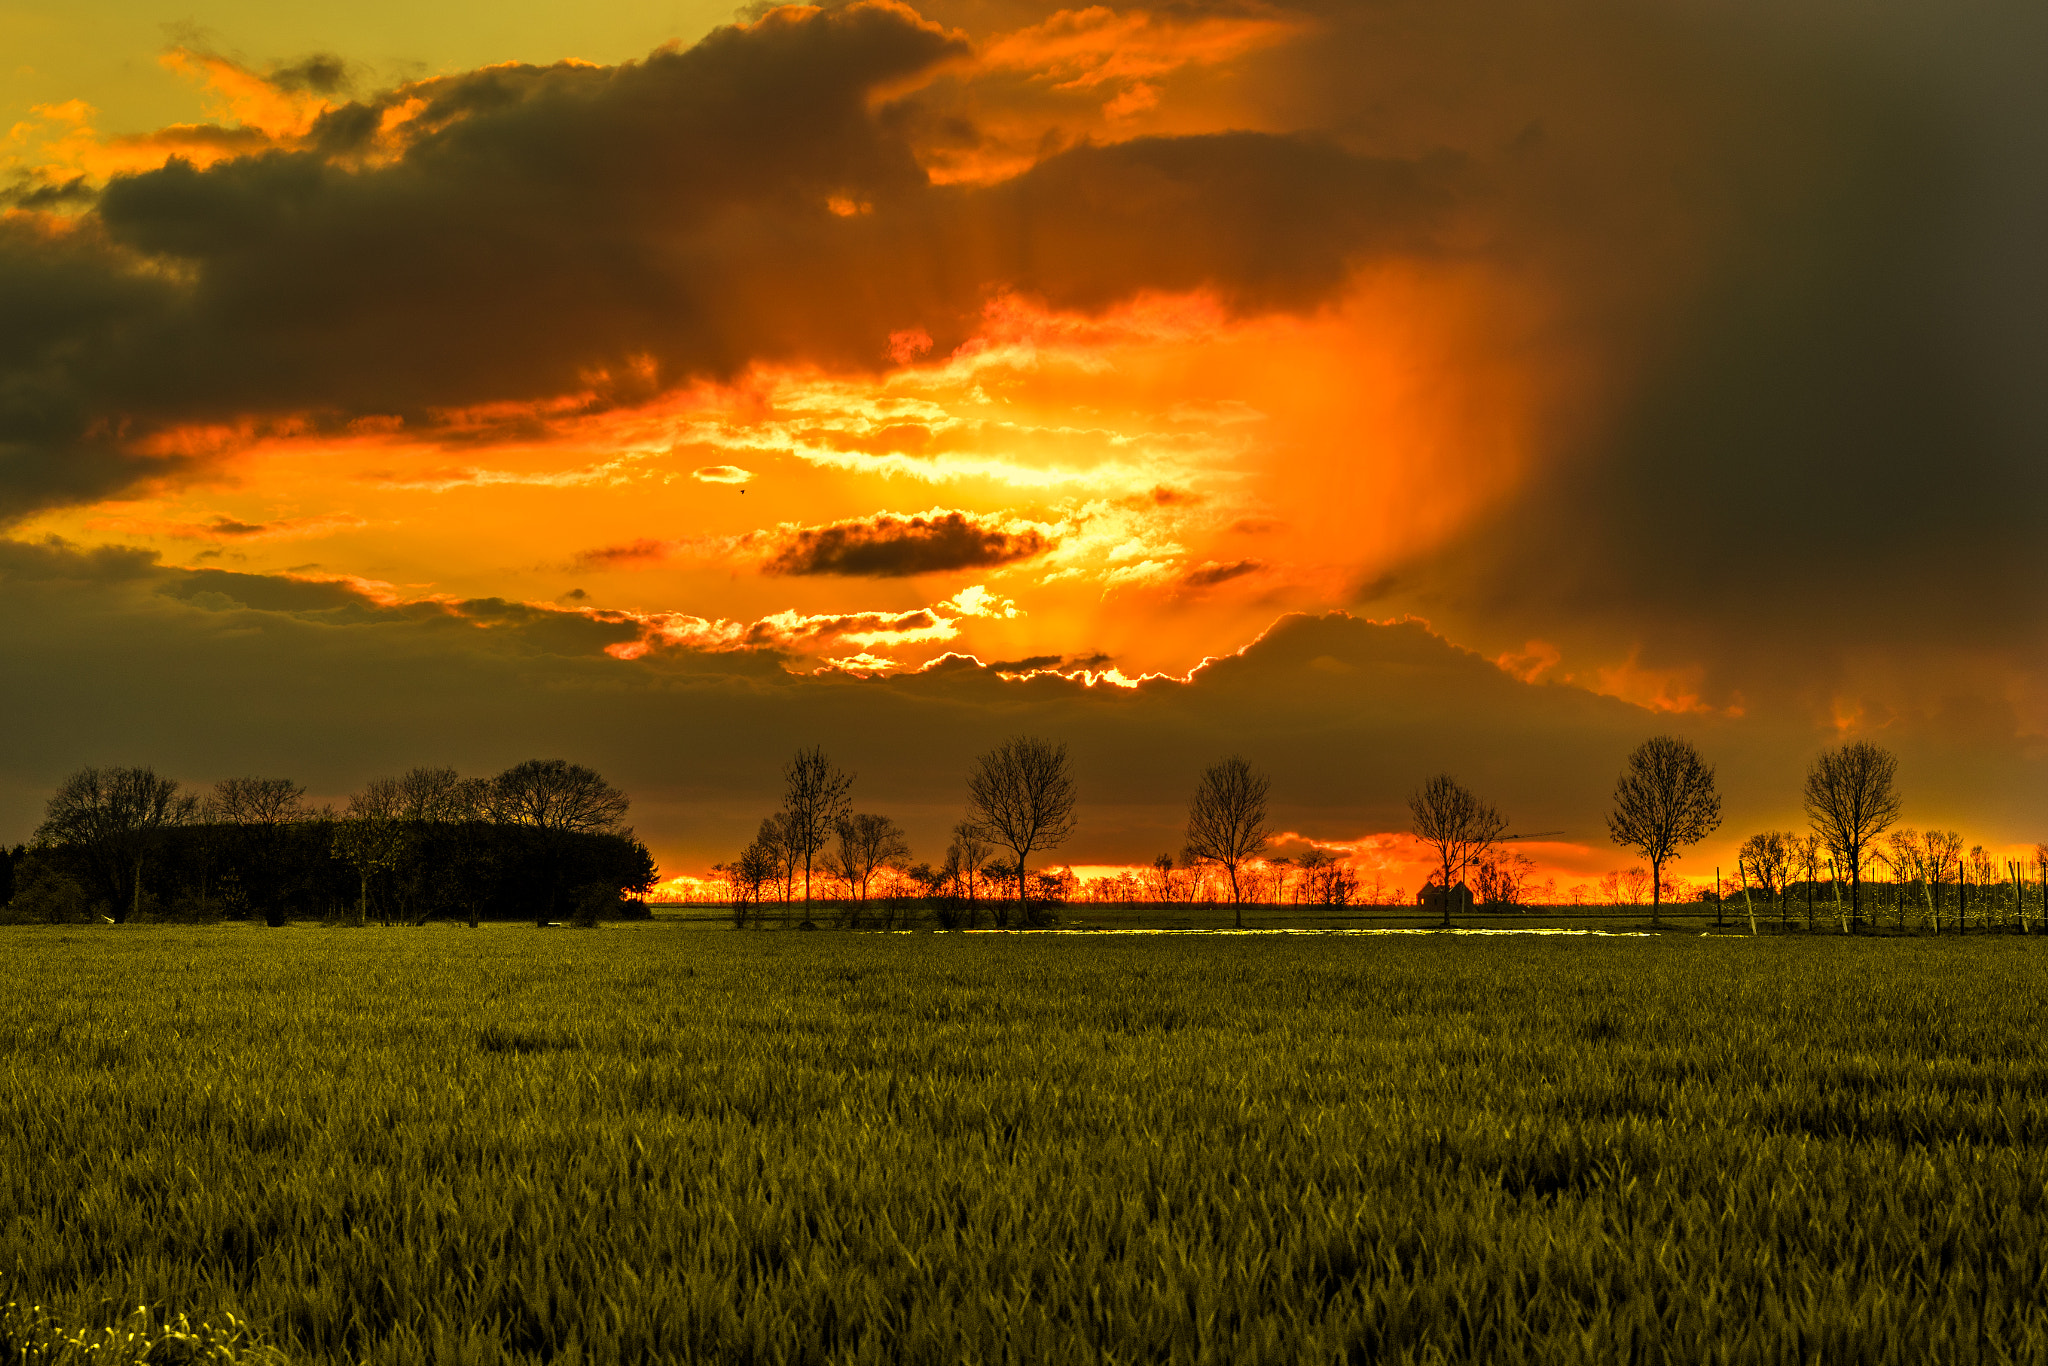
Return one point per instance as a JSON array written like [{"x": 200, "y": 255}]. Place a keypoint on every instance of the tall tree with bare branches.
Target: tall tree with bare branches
[
  {"x": 1446, "y": 816},
  {"x": 1664, "y": 800},
  {"x": 1227, "y": 822},
  {"x": 969, "y": 851},
  {"x": 557, "y": 797},
  {"x": 1021, "y": 796},
  {"x": 114, "y": 818},
  {"x": 1852, "y": 797},
  {"x": 1769, "y": 856},
  {"x": 254, "y": 817},
  {"x": 867, "y": 843},
  {"x": 814, "y": 800},
  {"x": 550, "y": 794}
]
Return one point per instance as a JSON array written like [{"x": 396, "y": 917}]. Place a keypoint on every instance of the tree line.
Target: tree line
[
  {"x": 546, "y": 838},
  {"x": 543, "y": 840},
  {"x": 1666, "y": 799},
  {"x": 1020, "y": 800}
]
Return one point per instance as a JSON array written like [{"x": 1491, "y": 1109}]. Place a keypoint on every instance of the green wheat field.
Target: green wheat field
[{"x": 645, "y": 1142}]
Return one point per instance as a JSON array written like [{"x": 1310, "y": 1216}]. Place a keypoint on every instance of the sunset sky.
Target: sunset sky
[{"x": 1371, "y": 389}]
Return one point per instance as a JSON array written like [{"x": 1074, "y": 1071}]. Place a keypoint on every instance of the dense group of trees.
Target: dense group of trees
[{"x": 542, "y": 840}]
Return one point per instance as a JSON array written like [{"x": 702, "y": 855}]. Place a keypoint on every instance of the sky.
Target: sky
[{"x": 1370, "y": 389}]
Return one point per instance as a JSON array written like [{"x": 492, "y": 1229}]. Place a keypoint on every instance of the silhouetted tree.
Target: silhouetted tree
[
  {"x": 10, "y": 859},
  {"x": 1227, "y": 822},
  {"x": 370, "y": 837},
  {"x": 756, "y": 867},
  {"x": 780, "y": 835},
  {"x": 1022, "y": 798},
  {"x": 1806, "y": 852},
  {"x": 1852, "y": 797},
  {"x": 1768, "y": 856},
  {"x": 553, "y": 794},
  {"x": 972, "y": 851},
  {"x": 443, "y": 848},
  {"x": 814, "y": 799},
  {"x": 1325, "y": 881},
  {"x": 252, "y": 820},
  {"x": 1445, "y": 815},
  {"x": 113, "y": 819},
  {"x": 560, "y": 799},
  {"x": 1664, "y": 800},
  {"x": 867, "y": 842}
]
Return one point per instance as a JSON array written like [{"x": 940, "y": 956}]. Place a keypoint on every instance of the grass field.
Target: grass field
[{"x": 644, "y": 1142}]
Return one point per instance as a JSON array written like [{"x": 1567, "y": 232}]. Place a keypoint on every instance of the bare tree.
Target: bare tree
[
  {"x": 1664, "y": 800},
  {"x": 756, "y": 867},
  {"x": 370, "y": 837},
  {"x": 114, "y": 818},
  {"x": 1325, "y": 881},
  {"x": 1022, "y": 797},
  {"x": 1634, "y": 882},
  {"x": 559, "y": 799},
  {"x": 441, "y": 796},
  {"x": 554, "y": 795},
  {"x": 1768, "y": 855},
  {"x": 972, "y": 849},
  {"x": 1227, "y": 821},
  {"x": 814, "y": 800},
  {"x": 1806, "y": 851},
  {"x": 1939, "y": 850},
  {"x": 1852, "y": 797},
  {"x": 1451, "y": 820},
  {"x": 867, "y": 843},
  {"x": 258, "y": 814},
  {"x": 1502, "y": 876},
  {"x": 775, "y": 838},
  {"x": 257, "y": 801}
]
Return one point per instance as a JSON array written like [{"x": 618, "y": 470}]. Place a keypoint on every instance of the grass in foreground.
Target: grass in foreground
[{"x": 641, "y": 1143}]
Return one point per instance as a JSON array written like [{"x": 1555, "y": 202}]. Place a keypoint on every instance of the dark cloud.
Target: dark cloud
[
  {"x": 627, "y": 556},
  {"x": 116, "y": 659},
  {"x": 1796, "y": 266},
  {"x": 888, "y": 546},
  {"x": 323, "y": 73},
  {"x": 571, "y": 229},
  {"x": 1208, "y": 575}
]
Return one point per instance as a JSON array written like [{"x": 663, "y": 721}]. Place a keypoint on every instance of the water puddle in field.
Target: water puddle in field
[{"x": 1604, "y": 934}]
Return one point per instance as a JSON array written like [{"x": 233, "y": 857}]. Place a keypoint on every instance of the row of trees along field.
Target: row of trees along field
[
  {"x": 1020, "y": 799},
  {"x": 1666, "y": 799},
  {"x": 542, "y": 840}
]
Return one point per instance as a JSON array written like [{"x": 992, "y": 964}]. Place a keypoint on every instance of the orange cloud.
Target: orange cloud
[
  {"x": 1531, "y": 662},
  {"x": 281, "y": 106},
  {"x": 251, "y": 113},
  {"x": 1084, "y": 48},
  {"x": 1674, "y": 690}
]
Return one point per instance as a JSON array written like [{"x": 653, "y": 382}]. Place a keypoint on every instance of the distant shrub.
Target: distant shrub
[{"x": 46, "y": 895}]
